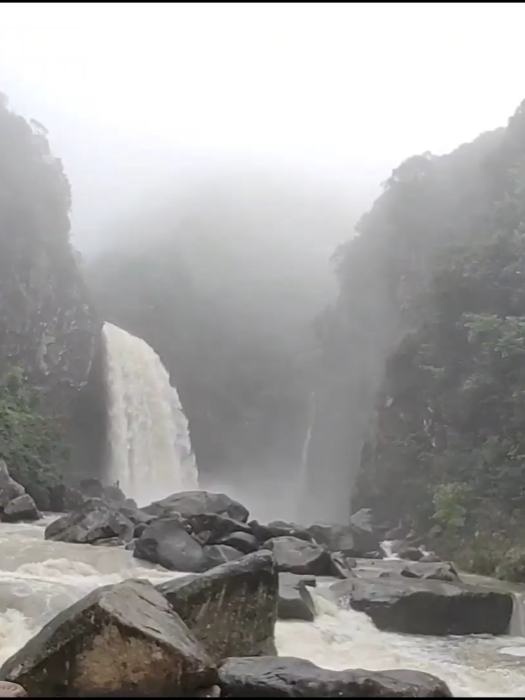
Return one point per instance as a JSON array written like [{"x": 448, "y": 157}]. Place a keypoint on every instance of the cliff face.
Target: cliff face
[{"x": 48, "y": 327}]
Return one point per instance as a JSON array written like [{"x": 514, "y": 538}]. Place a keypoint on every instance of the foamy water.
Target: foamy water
[{"x": 39, "y": 578}]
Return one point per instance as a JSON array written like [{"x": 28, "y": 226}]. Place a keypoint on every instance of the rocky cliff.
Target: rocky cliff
[{"x": 48, "y": 328}]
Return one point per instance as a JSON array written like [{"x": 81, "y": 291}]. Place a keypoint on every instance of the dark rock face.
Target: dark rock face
[
  {"x": 93, "y": 521},
  {"x": 299, "y": 557},
  {"x": 295, "y": 600},
  {"x": 117, "y": 640},
  {"x": 288, "y": 677},
  {"x": 232, "y": 608},
  {"x": 166, "y": 542},
  {"x": 190, "y": 503},
  {"x": 426, "y": 607},
  {"x": 15, "y": 503}
]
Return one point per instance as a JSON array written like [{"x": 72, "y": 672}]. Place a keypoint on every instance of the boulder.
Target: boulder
[
  {"x": 196, "y": 503},
  {"x": 261, "y": 532},
  {"x": 119, "y": 640},
  {"x": 63, "y": 498},
  {"x": 288, "y": 677},
  {"x": 432, "y": 572},
  {"x": 295, "y": 600},
  {"x": 215, "y": 526},
  {"x": 166, "y": 542},
  {"x": 9, "y": 488},
  {"x": 299, "y": 557},
  {"x": 93, "y": 520},
  {"x": 217, "y": 554},
  {"x": 137, "y": 516},
  {"x": 243, "y": 541},
  {"x": 279, "y": 528},
  {"x": 11, "y": 690},
  {"x": 338, "y": 538},
  {"x": 20, "y": 508},
  {"x": 430, "y": 558},
  {"x": 231, "y": 608},
  {"x": 341, "y": 566},
  {"x": 410, "y": 553},
  {"x": 426, "y": 607},
  {"x": 366, "y": 537}
]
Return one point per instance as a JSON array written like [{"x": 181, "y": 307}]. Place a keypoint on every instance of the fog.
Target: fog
[
  {"x": 129, "y": 92},
  {"x": 241, "y": 143}
]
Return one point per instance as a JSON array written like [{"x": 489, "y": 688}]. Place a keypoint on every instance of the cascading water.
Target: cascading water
[{"x": 150, "y": 452}]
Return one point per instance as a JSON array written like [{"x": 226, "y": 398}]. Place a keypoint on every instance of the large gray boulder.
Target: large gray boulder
[
  {"x": 231, "y": 608},
  {"x": 295, "y": 600},
  {"x": 166, "y": 542},
  {"x": 20, "y": 508},
  {"x": 93, "y": 521},
  {"x": 9, "y": 488},
  {"x": 119, "y": 640},
  {"x": 217, "y": 554},
  {"x": 355, "y": 539},
  {"x": 288, "y": 677},
  {"x": 426, "y": 607},
  {"x": 211, "y": 528},
  {"x": 189, "y": 503},
  {"x": 300, "y": 557}
]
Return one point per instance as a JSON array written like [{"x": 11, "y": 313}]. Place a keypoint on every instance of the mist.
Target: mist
[{"x": 218, "y": 157}]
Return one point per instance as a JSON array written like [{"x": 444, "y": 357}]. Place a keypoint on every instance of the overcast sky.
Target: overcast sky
[{"x": 344, "y": 90}]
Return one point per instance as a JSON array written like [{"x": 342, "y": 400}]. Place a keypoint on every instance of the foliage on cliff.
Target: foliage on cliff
[
  {"x": 48, "y": 329},
  {"x": 442, "y": 314},
  {"x": 31, "y": 442}
]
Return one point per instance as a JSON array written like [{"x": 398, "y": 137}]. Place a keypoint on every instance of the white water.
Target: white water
[
  {"x": 39, "y": 578},
  {"x": 149, "y": 442}
]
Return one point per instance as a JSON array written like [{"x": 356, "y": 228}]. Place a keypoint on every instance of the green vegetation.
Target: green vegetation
[
  {"x": 31, "y": 443},
  {"x": 439, "y": 330}
]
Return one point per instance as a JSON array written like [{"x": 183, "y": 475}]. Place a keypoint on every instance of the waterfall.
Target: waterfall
[
  {"x": 517, "y": 622},
  {"x": 303, "y": 467},
  {"x": 149, "y": 446}
]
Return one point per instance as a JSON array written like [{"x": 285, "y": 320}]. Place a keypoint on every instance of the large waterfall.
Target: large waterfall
[{"x": 150, "y": 452}]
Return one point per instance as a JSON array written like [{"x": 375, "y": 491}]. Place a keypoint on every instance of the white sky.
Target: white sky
[{"x": 336, "y": 86}]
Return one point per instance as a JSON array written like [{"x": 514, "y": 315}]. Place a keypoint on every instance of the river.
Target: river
[{"x": 39, "y": 578}]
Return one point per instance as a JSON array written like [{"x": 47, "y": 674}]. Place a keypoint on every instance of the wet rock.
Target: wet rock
[
  {"x": 435, "y": 572},
  {"x": 11, "y": 690},
  {"x": 137, "y": 516},
  {"x": 341, "y": 566},
  {"x": 231, "y": 608},
  {"x": 189, "y": 503},
  {"x": 337, "y": 538},
  {"x": 93, "y": 521},
  {"x": 279, "y": 528},
  {"x": 261, "y": 532},
  {"x": 9, "y": 488},
  {"x": 367, "y": 537},
  {"x": 288, "y": 677},
  {"x": 299, "y": 557},
  {"x": 19, "y": 509},
  {"x": 63, "y": 498},
  {"x": 117, "y": 640},
  {"x": 414, "y": 606},
  {"x": 166, "y": 542},
  {"x": 430, "y": 558},
  {"x": 243, "y": 541},
  {"x": 408, "y": 552},
  {"x": 217, "y": 554},
  {"x": 295, "y": 600},
  {"x": 212, "y": 528}
]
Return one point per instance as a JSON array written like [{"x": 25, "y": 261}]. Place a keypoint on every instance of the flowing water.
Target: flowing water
[
  {"x": 151, "y": 457},
  {"x": 150, "y": 452},
  {"x": 39, "y": 578}
]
